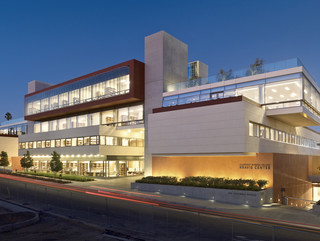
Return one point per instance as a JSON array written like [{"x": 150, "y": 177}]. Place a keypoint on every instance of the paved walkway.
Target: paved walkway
[{"x": 279, "y": 212}]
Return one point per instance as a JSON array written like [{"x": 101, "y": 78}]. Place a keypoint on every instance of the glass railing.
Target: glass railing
[{"x": 265, "y": 68}]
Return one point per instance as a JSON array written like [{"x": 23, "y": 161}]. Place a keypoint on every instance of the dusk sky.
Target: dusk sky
[{"x": 54, "y": 41}]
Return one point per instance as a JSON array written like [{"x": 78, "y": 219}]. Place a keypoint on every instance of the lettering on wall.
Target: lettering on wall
[{"x": 256, "y": 166}]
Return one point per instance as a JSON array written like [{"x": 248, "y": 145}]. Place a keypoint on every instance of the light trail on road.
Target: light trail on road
[
  {"x": 118, "y": 190},
  {"x": 162, "y": 204}
]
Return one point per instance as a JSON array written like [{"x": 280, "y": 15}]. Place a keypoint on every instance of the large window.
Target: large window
[
  {"x": 98, "y": 90},
  {"x": 108, "y": 116},
  {"x": 311, "y": 95},
  {"x": 54, "y": 103},
  {"x": 85, "y": 94},
  {"x": 283, "y": 91},
  {"x": 126, "y": 114},
  {"x": 100, "y": 86},
  {"x": 45, "y": 104},
  {"x": 63, "y": 100},
  {"x": 82, "y": 121},
  {"x": 136, "y": 112},
  {"x": 74, "y": 97}
]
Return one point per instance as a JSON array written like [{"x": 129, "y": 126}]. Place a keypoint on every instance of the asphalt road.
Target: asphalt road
[{"x": 144, "y": 217}]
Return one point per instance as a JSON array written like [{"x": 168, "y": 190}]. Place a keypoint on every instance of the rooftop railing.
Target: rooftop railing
[{"x": 228, "y": 75}]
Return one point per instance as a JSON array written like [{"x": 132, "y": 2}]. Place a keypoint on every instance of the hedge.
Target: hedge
[
  {"x": 203, "y": 181},
  {"x": 57, "y": 176}
]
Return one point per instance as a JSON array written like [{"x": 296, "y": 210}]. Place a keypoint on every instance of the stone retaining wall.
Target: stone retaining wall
[{"x": 243, "y": 197}]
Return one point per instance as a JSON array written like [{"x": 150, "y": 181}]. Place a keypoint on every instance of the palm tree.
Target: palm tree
[{"x": 8, "y": 116}]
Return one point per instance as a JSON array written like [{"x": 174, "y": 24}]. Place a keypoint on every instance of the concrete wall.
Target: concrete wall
[
  {"x": 36, "y": 85},
  {"x": 203, "y": 130},
  {"x": 241, "y": 197},
  {"x": 203, "y": 70},
  {"x": 121, "y": 150},
  {"x": 214, "y": 166},
  {"x": 166, "y": 62}
]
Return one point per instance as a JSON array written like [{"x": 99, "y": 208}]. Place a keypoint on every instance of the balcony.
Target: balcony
[{"x": 295, "y": 113}]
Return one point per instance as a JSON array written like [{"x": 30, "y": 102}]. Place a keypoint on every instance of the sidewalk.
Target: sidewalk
[{"x": 275, "y": 211}]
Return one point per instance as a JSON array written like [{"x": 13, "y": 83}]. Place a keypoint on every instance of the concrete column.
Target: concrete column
[{"x": 166, "y": 63}]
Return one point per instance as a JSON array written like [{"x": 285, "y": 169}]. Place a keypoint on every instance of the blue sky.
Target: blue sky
[{"x": 54, "y": 41}]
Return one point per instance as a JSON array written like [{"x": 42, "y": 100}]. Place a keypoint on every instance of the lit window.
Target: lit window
[
  {"x": 93, "y": 140},
  {"x": 68, "y": 142},
  {"x": 102, "y": 140},
  {"x": 63, "y": 142},
  {"x": 80, "y": 141},
  {"x": 58, "y": 143},
  {"x": 250, "y": 129},
  {"x": 86, "y": 140},
  {"x": 74, "y": 142},
  {"x": 48, "y": 144}
]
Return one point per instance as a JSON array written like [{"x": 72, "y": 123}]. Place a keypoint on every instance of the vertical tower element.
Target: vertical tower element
[{"x": 166, "y": 63}]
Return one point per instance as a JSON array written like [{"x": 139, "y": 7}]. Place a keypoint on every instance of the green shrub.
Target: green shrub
[
  {"x": 203, "y": 181},
  {"x": 159, "y": 180},
  {"x": 262, "y": 183},
  {"x": 63, "y": 176}
]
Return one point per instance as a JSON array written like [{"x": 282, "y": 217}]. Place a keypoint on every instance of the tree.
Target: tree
[
  {"x": 55, "y": 163},
  {"x": 4, "y": 159},
  {"x": 256, "y": 67},
  {"x": 224, "y": 75},
  {"x": 26, "y": 161},
  {"x": 8, "y": 116}
]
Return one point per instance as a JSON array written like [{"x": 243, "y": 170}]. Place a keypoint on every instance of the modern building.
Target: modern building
[
  {"x": 9, "y": 132},
  {"x": 166, "y": 117},
  {"x": 94, "y": 121}
]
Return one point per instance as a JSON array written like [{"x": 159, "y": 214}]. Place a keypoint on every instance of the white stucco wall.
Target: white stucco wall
[
  {"x": 9, "y": 145},
  {"x": 219, "y": 129}
]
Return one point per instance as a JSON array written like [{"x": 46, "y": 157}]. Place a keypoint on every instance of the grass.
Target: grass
[{"x": 57, "y": 176}]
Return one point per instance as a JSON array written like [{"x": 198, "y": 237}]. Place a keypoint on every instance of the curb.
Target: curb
[
  {"x": 17, "y": 209},
  {"x": 13, "y": 226}
]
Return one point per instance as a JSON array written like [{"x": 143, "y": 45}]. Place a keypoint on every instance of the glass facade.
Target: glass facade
[
  {"x": 14, "y": 127},
  {"x": 278, "y": 92},
  {"x": 126, "y": 116},
  {"x": 93, "y": 166},
  {"x": 112, "y": 83}
]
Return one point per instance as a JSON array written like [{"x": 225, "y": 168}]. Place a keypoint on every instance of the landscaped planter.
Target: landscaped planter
[
  {"x": 245, "y": 197},
  {"x": 316, "y": 209}
]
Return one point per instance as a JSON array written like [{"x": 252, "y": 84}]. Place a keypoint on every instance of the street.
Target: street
[{"x": 143, "y": 216}]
